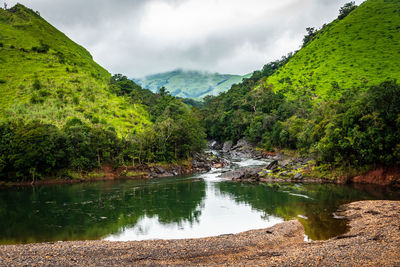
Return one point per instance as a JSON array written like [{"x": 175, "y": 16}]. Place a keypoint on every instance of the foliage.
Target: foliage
[
  {"x": 176, "y": 132},
  {"x": 29, "y": 151},
  {"x": 361, "y": 128},
  {"x": 309, "y": 37},
  {"x": 33, "y": 150},
  {"x": 353, "y": 120},
  {"x": 60, "y": 110},
  {"x": 248, "y": 109},
  {"x": 346, "y": 9},
  {"x": 364, "y": 128}
]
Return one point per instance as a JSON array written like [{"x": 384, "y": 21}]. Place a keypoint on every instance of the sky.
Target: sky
[{"x": 142, "y": 37}]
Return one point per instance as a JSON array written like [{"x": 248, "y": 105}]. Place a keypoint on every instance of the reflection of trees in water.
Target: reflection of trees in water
[
  {"x": 315, "y": 201},
  {"x": 91, "y": 211}
]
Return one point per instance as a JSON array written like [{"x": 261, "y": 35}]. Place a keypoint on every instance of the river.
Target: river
[{"x": 181, "y": 207}]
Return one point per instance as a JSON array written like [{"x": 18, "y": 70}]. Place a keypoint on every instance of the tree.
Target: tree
[
  {"x": 30, "y": 150},
  {"x": 163, "y": 91},
  {"x": 311, "y": 32},
  {"x": 346, "y": 9}
]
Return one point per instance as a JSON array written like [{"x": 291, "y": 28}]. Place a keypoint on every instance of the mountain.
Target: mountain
[
  {"x": 190, "y": 84},
  {"x": 44, "y": 75},
  {"x": 363, "y": 47}
]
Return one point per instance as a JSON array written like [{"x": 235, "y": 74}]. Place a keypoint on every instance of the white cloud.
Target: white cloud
[{"x": 140, "y": 37}]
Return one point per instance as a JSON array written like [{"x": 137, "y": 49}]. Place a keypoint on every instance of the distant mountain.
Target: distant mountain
[{"x": 190, "y": 84}]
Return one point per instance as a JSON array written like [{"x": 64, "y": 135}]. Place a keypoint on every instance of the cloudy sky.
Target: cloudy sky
[{"x": 141, "y": 37}]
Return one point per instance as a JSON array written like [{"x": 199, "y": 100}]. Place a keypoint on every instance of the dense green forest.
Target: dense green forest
[
  {"x": 346, "y": 115},
  {"x": 60, "y": 111}
]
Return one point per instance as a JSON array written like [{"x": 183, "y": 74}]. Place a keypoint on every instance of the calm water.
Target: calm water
[{"x": 185, "y": 207}]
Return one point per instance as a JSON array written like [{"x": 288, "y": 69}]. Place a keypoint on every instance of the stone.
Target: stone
[
  {"x": 272, "y": 165},
  {"x": 279, "y": 156},
  {"x": 298, "y": 176},
  {"x": 242, "y": 143},
  {"x": 159, "y": 169},
  {"x": 284, "y": 163},
  {"x": 227, "y": 146}
]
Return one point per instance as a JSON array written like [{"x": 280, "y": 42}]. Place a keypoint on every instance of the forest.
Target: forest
[{"x": 34, "y": 150}]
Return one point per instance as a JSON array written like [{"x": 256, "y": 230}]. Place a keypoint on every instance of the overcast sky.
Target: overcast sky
[{"x": 141, "y": 37}]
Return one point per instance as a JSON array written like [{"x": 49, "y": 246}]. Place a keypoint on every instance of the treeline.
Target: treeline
[
  {"x": 32, "y": 150},
  {"x": 359, "y": 128}
]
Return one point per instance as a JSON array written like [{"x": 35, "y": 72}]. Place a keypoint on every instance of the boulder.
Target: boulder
[
  {"x": 242, "y": 143},
  {"x": 245, "y": 173},
  {"x": 227, "y": 146},
  {"x": 158, "y": 169},
  {"x": 212, "y": 144},
  {"x": 298, "y": 176},
  {"x": 272, "y": 165}
]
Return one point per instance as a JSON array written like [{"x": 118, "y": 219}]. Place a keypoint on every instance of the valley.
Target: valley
[{"x": 180, "y": 167}]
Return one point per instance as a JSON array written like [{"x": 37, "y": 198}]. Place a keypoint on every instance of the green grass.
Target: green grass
[
  {"x": 191, "y": 84},
  {"x": 44, "y": 75},
  {"x": 364, "y": 47}
]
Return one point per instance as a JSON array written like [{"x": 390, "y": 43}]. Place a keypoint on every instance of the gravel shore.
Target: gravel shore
[{"x": 373, "y": 240}]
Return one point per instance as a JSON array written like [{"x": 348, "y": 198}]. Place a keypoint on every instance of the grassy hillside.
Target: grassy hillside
[
  {"x": 190, "y": 84},
  {"x": 364, "y": 47},
  {"x": 45, "y": 75},
  {"x": 62, "y": 115}
]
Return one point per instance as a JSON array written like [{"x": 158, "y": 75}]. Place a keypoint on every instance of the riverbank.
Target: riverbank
[
  {"x": 373, "y": 240},
  {"x": 288, "y": 166},
  {"x": 200, "y": 162},
  {"x": 281, "y": 167}
]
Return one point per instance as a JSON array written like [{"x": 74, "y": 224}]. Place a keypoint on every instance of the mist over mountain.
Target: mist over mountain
[{"x": 190, "y": 83}]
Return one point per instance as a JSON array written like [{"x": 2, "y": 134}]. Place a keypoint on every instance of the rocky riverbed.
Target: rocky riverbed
[
  {"x": 280, "y": 167},
  {"x": 373, "y": 240}
]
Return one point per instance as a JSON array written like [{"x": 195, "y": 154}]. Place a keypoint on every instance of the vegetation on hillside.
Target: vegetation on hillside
[
  {"x": 360, "y": 47},
  {"x": 352, "y": 123},
  {"x": 60, "y": 111},
  {"x": 45, "y": 76}
]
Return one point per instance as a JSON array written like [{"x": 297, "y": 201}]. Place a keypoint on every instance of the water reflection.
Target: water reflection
[
  {"x": 93, "y": 211},
  {"x": 185, "y": 207},
  {"x": 312, "y": 204},
  {"x": 219, "y": 215}
]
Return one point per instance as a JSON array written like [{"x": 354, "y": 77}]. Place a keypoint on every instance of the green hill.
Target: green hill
[
  {"x": 337, "y": 98},
  {"x": 63, "y": 115},
  {"x": 44, "y": 75},
  {"x": 190, "y": 84},
  {"x": 363, "y": 47}
]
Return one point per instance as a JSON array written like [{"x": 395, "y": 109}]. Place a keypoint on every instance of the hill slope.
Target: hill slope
[
  {"x": 362, "y": 47},
  {"x": 332, "y": 98},
  {"x": 190, "y": 84},
  {"x": 45, "y": 75}
]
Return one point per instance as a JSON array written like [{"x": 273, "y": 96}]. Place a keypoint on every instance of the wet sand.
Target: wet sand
[{"x": 373, "y": 240}]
